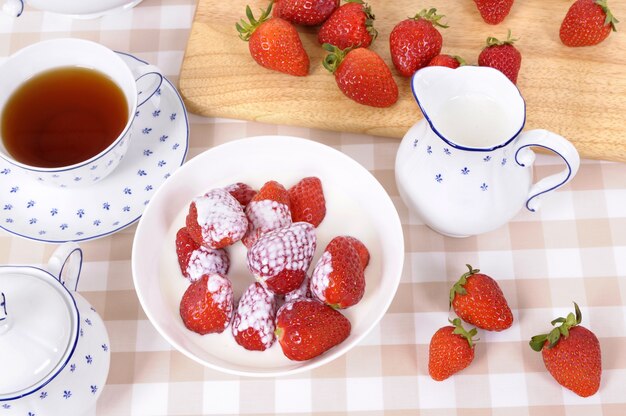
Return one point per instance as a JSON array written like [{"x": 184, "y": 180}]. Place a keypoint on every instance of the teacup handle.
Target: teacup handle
[
  {"x": 13, "y": 8},
  {"x": 66, "y": 263},
  {"x": 149, "y": 80},
  {"x": 524, "y": 156}
]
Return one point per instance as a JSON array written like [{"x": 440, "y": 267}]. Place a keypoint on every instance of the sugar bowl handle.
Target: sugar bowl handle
[
  {"x": 66, "y": 263},
  {"x": 4, "y": 316}
]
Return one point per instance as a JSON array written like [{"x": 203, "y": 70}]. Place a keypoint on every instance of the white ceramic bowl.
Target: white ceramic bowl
[{"x": 356, "y": 205}]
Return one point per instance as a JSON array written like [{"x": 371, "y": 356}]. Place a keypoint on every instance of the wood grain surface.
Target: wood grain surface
[{"x": 579, "y": 93}]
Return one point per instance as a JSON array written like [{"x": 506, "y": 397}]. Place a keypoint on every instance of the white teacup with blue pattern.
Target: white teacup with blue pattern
[{"x": 137, "y": 85}]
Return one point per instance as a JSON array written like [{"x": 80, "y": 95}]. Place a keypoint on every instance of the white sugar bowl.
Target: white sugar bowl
[{"x": 54, "y": 347}]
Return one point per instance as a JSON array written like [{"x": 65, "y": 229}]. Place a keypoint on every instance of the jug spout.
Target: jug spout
[{"x": 474, "y": 108}]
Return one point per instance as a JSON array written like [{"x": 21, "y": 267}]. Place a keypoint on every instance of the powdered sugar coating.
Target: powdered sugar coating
[
  {"x": 256, "y": 311},
  {"x": 263, "y": 216},
  {"x": 221, "y": 291},
  {"x": 320, "y": 279},
  {"x": 220, "y": 216},
  {"x": 290, "y": 248},
  {"x": 303, "y": 292},
  {"x": 207, "y": 261}
]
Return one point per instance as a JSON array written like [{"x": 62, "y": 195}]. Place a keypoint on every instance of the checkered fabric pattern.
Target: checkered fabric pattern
[{"x": 573, "y": 249}]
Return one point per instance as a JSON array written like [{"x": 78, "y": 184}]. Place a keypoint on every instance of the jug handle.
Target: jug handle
[
  {"x": 524, "y": 156},
  {"x": 13, "y": 8},
  {"x": 66, "y": 263}
]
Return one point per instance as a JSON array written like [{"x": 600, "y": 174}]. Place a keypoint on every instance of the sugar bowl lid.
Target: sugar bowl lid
[{"x": 39, "y": 322}]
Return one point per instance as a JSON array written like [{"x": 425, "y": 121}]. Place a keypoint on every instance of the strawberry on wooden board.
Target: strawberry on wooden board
[
  {"x": 307, "y": 201},
  {"x": 451, "y": 350},
  {"x": 494, "y": 11},
  {"x": 306, "y": 328},
  {"x": 338, "y": 279},
  {"x": 254, "y": 321},
  {"x": 216, "y": 220},
  {"x": 280, "y": 258},
  {"x": 571, "y": 353},
  {"x": 207, "y": 305},
  {"x": 362, "y": 76},
  {"x": 242, "y": 192},
  {"x": 415, "y": 41},
  {"x": 503, "y": 56},
  {"x": 447, "y": 60},
  {"x": 269, "y": 210},
  {"x": 478, "y": 300},
  {"x": 274, "y": 43},
  {"x": 305, "y": 12},
  {"x": 350, "y": 26},
  {"x": 196, "y": 260},
  {"x": 587, "y": 22}
]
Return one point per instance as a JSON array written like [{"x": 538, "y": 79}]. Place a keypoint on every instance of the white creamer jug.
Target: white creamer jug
[{"x": 466, "y": 168}]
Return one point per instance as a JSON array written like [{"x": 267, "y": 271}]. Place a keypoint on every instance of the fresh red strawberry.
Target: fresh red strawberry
[
  {"x": 451, "y": 350},
  {"x": 415, "y": 41},
  {"x": 280, "y": 258},
  {"x": 242, "y": 192},
  {"x": 338, "y": 278},
  {"x": 447, "y": 60},
  {"x": 307, "y": 201},
  {"x": 571, "y": 353},
  {"x": 503, "y": 56},
  {"x": 363, "y": 252},
  {"x": 195, "y": 260},
  {"x": 306, "y": 328},
  {"x": 254, "y": 321},
  {"x": 494, "y": 11},
  {"x": 303, "y": 292},
  {"x": 350, "y": 26},
  {"x": 274, "y": 43},
  {"x": 587, "y": 22},
  {"x": 207, "y": 305},
  {"x": 216, "y": 219},
  {"x": 362, "y": 76},
  {"x": 478, "y": 300},
  {"x": 305, "y": 12},
  {"x": 269, "y": 210}
]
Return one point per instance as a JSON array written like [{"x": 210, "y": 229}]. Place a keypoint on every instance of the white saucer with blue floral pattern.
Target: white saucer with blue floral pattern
[{"x": 159, "y": 144}]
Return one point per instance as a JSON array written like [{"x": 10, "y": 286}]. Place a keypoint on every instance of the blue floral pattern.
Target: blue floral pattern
[{"x": 40, "y": 212}]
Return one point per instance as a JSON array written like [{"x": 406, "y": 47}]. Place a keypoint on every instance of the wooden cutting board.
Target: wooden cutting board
[{"x": 579, "y": 93}]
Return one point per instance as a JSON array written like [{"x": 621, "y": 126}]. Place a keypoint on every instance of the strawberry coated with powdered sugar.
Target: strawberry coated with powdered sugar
[
  {"x": 195, "y": 260},
  {"x": 216, "y": 219},
  {"x": 338, "y": 279},
  {"x": 242, "y": 192},
  {"x": 254, "y": 321},
  {"x": 280, "y": 258},
  {"x": 270, "y": 209},
  {"x": 207, "y": 305}
]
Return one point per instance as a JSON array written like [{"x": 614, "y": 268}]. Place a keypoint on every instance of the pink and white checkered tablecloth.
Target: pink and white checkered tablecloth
[{"x": 573, "y": 249}]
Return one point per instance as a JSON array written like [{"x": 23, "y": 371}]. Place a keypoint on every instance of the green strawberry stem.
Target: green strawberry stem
[
  {"x": 459, "y": 330},
  {"x": 369, "y": 17},
  {"x": 610, "y": 19},
  {"x": 460, "y": 60},
  {"x": 491, "y": 41},
  {"x": 332, "y": 61},
  {"x": 537, "y": 342},
  {"x": 432, "y": 16},
  {"x": 459, "y": 286},
  {"x": 246, "y": 29}
]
